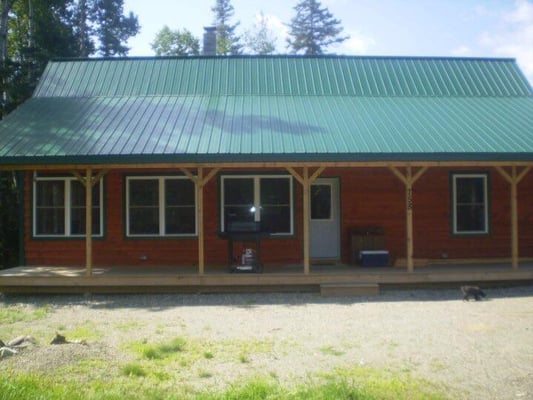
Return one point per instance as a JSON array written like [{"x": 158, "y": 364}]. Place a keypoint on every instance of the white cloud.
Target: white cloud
[
  {"x": 462, "y": 50},
  {"x": 358, "y": 43},
  {"x": 514, "y": 38}
]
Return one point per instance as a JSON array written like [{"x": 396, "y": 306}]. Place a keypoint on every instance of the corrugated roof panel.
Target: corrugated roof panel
[
  {"x": 265, "y": 106},
  {"x": 268, "y": 125},
  {"x": 361, "y": 76}
]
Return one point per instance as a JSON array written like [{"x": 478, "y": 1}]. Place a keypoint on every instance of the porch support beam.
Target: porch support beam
[
  {"x": 88, "y": 222},
  {"x": 306, "y": 181},
  {"x": 409, "y": 180},
  {"x": 514, "y": 179},
  {"x": 200, "y": 181},
  {"x": 88, "y": 181}
]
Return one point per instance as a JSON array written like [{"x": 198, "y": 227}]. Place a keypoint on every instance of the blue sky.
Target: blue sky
[{"x": 469, "y": 28}]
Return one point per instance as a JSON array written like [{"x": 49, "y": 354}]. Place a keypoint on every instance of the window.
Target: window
[
  {"x": 59, "y": 207},
  {"x": 160, "y": 206},
  {"x": 321, "y": 202},
  {"x": 267, "y": 199},
  {"x": 470, "y": 204}
]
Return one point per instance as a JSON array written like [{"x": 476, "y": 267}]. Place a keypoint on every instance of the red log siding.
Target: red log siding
[{"x": 369, "y": 196}]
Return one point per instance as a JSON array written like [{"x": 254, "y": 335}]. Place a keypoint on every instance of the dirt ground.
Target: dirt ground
[{"x": 478, "y": 349}]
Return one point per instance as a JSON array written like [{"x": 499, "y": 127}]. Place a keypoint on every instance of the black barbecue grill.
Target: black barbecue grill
[{"x": 245, "y": 232}]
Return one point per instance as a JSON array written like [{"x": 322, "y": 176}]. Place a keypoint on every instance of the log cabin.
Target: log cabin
[{"x": 344, "y": 160}]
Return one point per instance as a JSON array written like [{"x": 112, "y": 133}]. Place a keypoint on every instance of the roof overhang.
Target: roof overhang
[{"x": 265, "y": 161}]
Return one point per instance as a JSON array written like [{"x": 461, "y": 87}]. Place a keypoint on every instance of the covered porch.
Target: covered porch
[
  {"x": 404, "y": 174},
  {"x": 275, "y": 278}
]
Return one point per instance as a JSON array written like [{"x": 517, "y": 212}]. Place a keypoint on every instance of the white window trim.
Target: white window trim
[
  {"x": 257, "y": 198},
  {"x": 161, "y": 205},
  {"x": 484, "y": 177},
  {"x": 67, "y": 207}
]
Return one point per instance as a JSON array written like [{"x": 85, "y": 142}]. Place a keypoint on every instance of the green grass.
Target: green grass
[
  {"x": 128, "y": 326},
  {"x": 136, "y": 384},
  {"x": 330, "y": 350},
  {"x": 87, "y": 330},
  {"x": 133, "y": 369},
  {"x": 12, "y": 314},
  {"x": 160, "y": 351}
]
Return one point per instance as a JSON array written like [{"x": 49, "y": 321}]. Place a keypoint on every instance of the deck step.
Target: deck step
[{"x": 349, "y": 289}]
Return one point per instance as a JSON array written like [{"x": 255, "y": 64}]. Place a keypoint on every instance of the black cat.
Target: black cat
[{"x": 472, "y": 291}]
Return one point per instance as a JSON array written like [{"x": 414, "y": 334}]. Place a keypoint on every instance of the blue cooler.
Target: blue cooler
[{"x": 374, "y": 258}]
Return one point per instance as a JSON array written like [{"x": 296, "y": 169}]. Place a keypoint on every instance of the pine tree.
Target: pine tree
[
  {"x": 227, "y": 40},
  {"x": 112, "y": 27},
  {"x": 313, "y": 29}
]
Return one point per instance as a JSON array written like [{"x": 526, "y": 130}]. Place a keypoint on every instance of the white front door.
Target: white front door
[{"x": 324, "y": 226}]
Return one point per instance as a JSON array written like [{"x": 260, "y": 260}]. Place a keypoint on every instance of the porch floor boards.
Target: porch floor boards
[{"x": 35, "y": 279}]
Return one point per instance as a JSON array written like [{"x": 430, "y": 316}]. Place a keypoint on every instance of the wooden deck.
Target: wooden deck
[{"x": 45, "y": 279}]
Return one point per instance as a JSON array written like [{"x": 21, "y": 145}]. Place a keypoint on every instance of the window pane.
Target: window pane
[
  {"x": 50, "y": 208},
  {"x": 180, "y": 220},
  {"x": 144, "y": 192},
  {"x": 50, "y": 221},
  {"x": 238, "y": 191},
  {"x": 143, "y": 206},
  {"x": 77, "y": 213},
  {"x": 77, "y": 221},
  {"x": 179, "y": 192},
  {"x": 144, "y": 221},
  {"x": 238, "y": 200},
  {"x": 470, "y": 218},
  {"x": 276, "y": 219},
  {"x": 180, "y": 216},
  {"x": 470, "y": 190},
  {"x": 320, "y": 202},
  {"x": 275, "y": 205},
  {"x": 50, "y": 193},
  {"x": 275, "y": 191},
  {"x": 470, "y": 207}
]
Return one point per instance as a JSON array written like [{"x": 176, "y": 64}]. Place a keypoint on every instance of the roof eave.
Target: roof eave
[{"x": 140, "y": 160}]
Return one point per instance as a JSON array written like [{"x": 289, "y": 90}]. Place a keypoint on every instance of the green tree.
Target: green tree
[
  {"x": 227, "y": 40},
  {"x": 260, "y": 39},
  {"x": 111, "y": 27},
  {"x": 37, "y": 31},
  {"x": 9, "y": 234},
  {"x": 175, "y": 43},
  {"x": 313, "y": 29},
  {"x": 34, "y": 31}
]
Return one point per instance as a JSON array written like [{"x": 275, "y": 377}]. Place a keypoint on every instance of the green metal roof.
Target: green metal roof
[{"x": 273, "y": 108}]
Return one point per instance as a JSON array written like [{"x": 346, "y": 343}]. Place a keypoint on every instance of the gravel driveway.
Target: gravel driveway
[{"x": 481, "y": 350}]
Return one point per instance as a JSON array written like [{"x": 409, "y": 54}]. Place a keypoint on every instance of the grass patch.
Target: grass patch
[
  {"x": 356, "y": 383},
  {"x": 128, "y": 325},
  {"x": 159, "y": 351},
  {"x": 330, "y": 350},
  {"x": 205, "y": 374},
  {"x": 133, "y": 369},
  {"x": 187, "y": 351},
  {"x": 12, "y": 314},
  {"x": 87, "y": 331}
]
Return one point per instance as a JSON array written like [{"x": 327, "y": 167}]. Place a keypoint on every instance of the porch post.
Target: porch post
[
  {"x": 513, "y": 180},
  {"x": 408, "y": 179},
  {"x": 409, "y": 216},
  {"x": 306, "y": 206},
  {"x": 306, "y": 182},
  {"x": 200, "y": 197},
  {"x": 88, "y": 222},
  {"x": 199, "y": 182}
]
